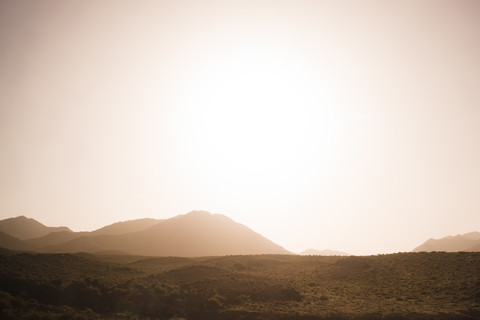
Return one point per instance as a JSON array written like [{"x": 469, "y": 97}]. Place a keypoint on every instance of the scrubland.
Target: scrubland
[{"x": 433, "y": 285}]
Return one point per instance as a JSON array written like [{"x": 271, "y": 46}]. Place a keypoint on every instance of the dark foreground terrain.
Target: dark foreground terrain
[{"x": 396, "y": 286}]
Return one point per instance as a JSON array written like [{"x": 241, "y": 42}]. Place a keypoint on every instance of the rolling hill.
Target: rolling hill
[
  {"x": 466, "y": 242},
  {"x": 401, "y": 286},
  {"x": 9, "y": 242}
]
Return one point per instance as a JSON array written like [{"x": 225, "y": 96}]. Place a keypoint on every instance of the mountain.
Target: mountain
[
  {"x": 475, "y": 247},
  {"x": 9, "y": 242},
  {"x": 58, "y": 238},
  {"x": 466, "y": 242},
  {"x": 55, "y": 238},
  {"x": 473, "y": 235},
  {"x": 127, "y": 226},
  {"x": 326, "y": 252},
  {"x": 26, "y": 228},
  {"x": 198, "y": 233}
]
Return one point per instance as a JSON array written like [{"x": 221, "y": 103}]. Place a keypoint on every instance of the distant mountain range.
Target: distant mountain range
[
  {"x": 326, "y": 252},
  {"x": 198, "y": 233},
  {"x": 462, "y": 242}
]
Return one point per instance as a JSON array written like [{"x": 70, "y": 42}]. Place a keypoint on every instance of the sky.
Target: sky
[{"x": 348, "y": 125}]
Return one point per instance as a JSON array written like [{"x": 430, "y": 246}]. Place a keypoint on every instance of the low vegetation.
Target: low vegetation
[{"x": 397, "y": 286}]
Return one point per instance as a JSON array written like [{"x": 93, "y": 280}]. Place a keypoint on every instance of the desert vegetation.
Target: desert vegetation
[{"x": 397, "y": 286}]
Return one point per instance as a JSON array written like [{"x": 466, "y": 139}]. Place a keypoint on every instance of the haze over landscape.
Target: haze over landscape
[{"x": 346, "y": 125}]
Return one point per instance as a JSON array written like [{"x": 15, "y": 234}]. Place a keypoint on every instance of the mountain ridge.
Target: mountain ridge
[
  {"x": 127, "y": 226},
  {"x": 461, "y": 242},
  {"x": 24, "y": 228},
  {"x": 196, "y": 233}
]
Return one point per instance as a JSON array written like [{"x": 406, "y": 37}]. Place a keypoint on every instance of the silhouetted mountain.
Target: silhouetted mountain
[
  {"x": 55, "y": 238},
  {"x": 473, "y": 235},
  {"x": 126, "y": 226},
  {"x": 466, "y": 242},
  {"x": 197, "y": 233},
  {"x": 326, "y": 252},
  {"x": 26, "y": 228},
  {"x": 9, "y": 242}
]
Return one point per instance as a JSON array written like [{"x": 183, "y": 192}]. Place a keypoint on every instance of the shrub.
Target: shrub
[{"x": 213, "y": 303}]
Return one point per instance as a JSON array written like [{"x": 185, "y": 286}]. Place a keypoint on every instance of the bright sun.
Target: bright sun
[{"x": 256, "y": 121}]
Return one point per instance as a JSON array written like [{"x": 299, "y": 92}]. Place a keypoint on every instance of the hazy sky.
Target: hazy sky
[{"x": 350, "y": 125}]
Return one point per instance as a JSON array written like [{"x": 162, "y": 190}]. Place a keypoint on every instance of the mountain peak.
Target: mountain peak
[
  {"x": 22, "y": 218},
  {"x": 198, "y": 213},
  {"x": 24, "y": 228}
]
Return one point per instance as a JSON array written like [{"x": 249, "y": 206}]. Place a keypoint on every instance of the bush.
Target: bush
[{"x": 213, "y": 303}]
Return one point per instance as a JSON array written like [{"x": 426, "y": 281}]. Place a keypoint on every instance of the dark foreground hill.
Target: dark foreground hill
[
  {"x": 197, "y": 233},
  {"x": 466, "y": 242},
  {"x": 285, "y": 287}
]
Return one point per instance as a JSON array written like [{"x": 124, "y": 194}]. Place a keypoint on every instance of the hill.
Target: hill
[
  {"x": 9, "y": 242},
  {"x": 466, "y": 242},
  {"x": 197, "y": 233},
  {"x": 24, "y": 228},
  {"x": 54, "y": 239},
  {"x": 326, "y": 252},
  {"x": 418, "y": 286}
]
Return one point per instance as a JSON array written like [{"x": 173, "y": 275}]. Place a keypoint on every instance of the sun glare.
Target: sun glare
[{"x": 257, "y": 120}]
